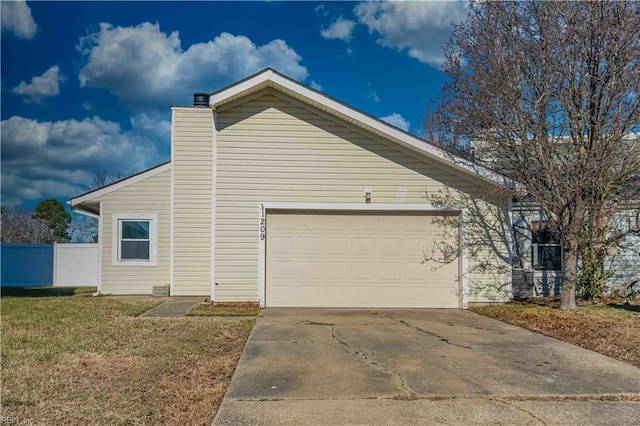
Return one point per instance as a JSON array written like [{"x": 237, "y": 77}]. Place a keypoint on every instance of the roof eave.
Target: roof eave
[{"x": 270, "y": 78}]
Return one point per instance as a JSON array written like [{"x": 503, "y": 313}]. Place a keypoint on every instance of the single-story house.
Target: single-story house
[{"x": 280, "y": 194}]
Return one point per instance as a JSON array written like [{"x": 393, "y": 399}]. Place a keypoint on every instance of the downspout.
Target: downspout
[{"x": 214, "y": 175}]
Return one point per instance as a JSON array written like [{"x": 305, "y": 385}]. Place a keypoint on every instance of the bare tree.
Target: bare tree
[
  {"x": 552, "y": 92},
  {"x": 103, "y": 177},
  {"x": 86, "y": 228},
  {"x": 22, "y": 227}
]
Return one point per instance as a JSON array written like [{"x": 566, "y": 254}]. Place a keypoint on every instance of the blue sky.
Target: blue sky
[{"x": 88, "y": 86}]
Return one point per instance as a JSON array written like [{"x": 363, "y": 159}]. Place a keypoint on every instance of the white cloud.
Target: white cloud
[
  {"x": 321, "y": 10},
  {"x": 372, "y": 94},
  {"x": 340, "y": 29},
  {"x": 44, "y": 86},
  {"x": 397, "y": 120},
  {"x": 422, "y": 28},
  {"x": 153, "y": 126},
  {"x": 316, "y": 86},
  {"x": 142, "y": 64},
  {"x": 16, "y": 17},
  {"x": 54, "y": 159}
]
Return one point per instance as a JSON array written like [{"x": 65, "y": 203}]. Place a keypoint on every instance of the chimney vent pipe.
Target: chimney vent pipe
[{"x": 200, "y": 99}]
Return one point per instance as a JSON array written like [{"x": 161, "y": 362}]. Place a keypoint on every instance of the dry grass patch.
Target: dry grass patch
[
  {"x": 223, "y": 309},
  {"x": 90, "y": 361},
  {"x": 610, "y": 329}
]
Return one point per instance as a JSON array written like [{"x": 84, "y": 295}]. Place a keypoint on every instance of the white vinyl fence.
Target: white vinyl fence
[{"x": 75, "y": 265}]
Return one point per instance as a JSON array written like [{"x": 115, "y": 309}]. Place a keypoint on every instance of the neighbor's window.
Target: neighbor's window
[
  {"x": 546, "y": 248},
  {"x": 134, "y": 239}
]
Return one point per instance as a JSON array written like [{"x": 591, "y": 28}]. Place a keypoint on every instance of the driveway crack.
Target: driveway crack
[
  {"x": 521, "y": 410},
  {"x": 421, "y": 330},
  {"x": 307, "y": 322},
  {"x": 366, "y": 358}
]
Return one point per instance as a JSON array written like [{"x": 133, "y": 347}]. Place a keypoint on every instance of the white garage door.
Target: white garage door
[{"x": 320, "y": 259}]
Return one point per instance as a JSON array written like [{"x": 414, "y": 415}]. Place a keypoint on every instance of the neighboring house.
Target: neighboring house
[
  {"x": 280, "y": 194},
  {"x": 537, "y": 263},
  {"x": 537, "y": 253}
]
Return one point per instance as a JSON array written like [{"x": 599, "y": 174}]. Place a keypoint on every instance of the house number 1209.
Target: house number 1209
[{"x": 262, "y": 223}]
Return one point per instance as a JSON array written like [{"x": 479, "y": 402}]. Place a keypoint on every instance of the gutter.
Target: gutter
[{"x": 86, "y": 213}]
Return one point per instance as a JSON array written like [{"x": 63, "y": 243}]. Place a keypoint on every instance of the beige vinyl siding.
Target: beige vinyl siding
[
  {"x": 192, "y": 180},
  {"x": 488, "y": 247},
  {"x": 270, "y": 150},
  {"x": 151, "y": 195}
]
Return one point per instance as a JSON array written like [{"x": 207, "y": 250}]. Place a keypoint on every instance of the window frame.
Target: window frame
[
  {"x": 540, "y": 226},
  {"x": 116, "y": 242}
]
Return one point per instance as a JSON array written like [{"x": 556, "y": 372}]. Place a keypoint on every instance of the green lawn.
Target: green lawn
[{"x": 90, "y": 361}]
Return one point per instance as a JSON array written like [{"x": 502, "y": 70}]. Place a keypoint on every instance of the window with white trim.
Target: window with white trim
[
  {"x": 546, "y": 248},
  {"x": 135, "y": 239}
]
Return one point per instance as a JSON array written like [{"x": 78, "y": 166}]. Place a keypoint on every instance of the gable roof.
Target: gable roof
[
  {"x": 119, "y": 184},
  {"x": 271, "y": 79}
]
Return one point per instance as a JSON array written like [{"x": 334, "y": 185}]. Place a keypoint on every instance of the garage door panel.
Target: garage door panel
[
  {"x": 390, "y": 225},
  {"x": 415, "y": 271},
  {"x": 308, "y": 292},
  {"x": 308, "y": 222},
  {"x": 282, "y": 271},
  {"x": 392, "y": 295},
  {"x": 357, "y": 260},
  {"x": 365, "y": 224},
  {"x": 286, "y": 295},
  {"x": 414, "y": 246},
  {"x": 363, "y": 271},
  {"x": 391, "y": 271},
  {"x": 363, "y": 292},
  {"x": 336, "y": 224},
  {"x": 363, "y": 246},
  {"x": 439, "y": 295},
  {"x": 417, "y": 224},
  {"x": 309, "y": 246},
  {"x": 310, "y": 271},
  {"x": 337, "y": 271},
  {"x": 336, "y": 246},
  {"x": 337, "y": 295},
  {"x": 391, "y": 247},
  {"x": 282, "y": 245},
  {"x": 417, "y": 293}
]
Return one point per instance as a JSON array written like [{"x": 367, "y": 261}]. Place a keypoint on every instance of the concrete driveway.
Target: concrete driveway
[{"x": 320, "y": 366}]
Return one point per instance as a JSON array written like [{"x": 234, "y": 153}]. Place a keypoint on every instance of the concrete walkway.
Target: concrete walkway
[
  {"x": 173, "y": 307},
  {"x": 315, "y": 366}
]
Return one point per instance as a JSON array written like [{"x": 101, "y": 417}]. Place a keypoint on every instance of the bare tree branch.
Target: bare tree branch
[
  {"x": 21, "y": 227},
  {"x": 548, "y": 93}
]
